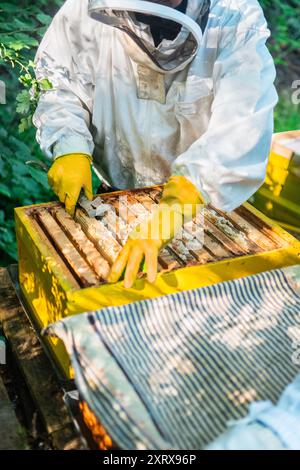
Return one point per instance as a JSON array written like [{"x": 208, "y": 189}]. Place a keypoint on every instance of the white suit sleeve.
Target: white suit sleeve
[
  {"x": 267, "y": 426},
  {"x": 228, "y": 163},
  {"x": 63, "y": 115}
]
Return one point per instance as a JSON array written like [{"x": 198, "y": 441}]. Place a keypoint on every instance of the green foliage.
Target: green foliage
[
  {"x": 16, "y": 45},
  {"x": 287, "y": 114},
  {"x": 22, "y": 25},
  {"x": 284, "y": 21}
]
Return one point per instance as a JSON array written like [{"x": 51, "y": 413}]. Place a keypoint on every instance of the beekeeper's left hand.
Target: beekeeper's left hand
[{"x": 179, "y": 204}]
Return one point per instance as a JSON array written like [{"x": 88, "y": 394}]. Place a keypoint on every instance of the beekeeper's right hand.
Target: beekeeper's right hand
[{"x": 68, "y": 175}]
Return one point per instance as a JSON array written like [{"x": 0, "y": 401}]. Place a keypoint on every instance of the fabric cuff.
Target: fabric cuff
[
  {"x": 72, "y": 145},
  {"x": 90, "y": 159},
  {"x": 284, "y": 424}
]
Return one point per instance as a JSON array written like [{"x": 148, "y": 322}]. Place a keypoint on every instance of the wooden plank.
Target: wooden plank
[
  {"x": 49, "y": 248},
  {"x": 84, "y": 246},
  {"x": 220, "y": 221},
  {"x": 67, "y": 250},
  {"x": 130, "y": 210},
  {"x": 121, "y": 206},
  {"x": 155, "y": 194},
  {"x": 144, "y": 199},
  {"x": 102, "y": 238},
  {"x": 226, "y": 240},
  {"x": 194, "y": 237},
  {"x": 137, "y": 209},
  {"x": 186, "y": 257},
  {"x": 111, "y": 220},
  {"x": 116, "y": 226},
  {"x": 202, "y": 255},
  {"x": 167, "y": 260},
  {"x": 12, "y": 435},
  {"x": 179, "y": 245},
  {"x": 214, "y": 247},
  {"x": 36, "y": 369},
  {"x": 264, "y": 229},
  {"x": 66, "y": 439},
  {"x": 209, "y": 248},
  {"x": 254, "y": 236}
]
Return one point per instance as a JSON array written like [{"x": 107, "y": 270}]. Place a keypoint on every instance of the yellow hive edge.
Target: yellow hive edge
[
  {"x": 279, "y": 196},
  {"x": 283, "y": 211},
  {"x": 52, "y": 294}
]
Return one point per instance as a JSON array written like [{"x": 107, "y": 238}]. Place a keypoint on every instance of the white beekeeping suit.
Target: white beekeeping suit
[
  {"x": 200, "y": 105},
  {"x": 267, "y": 426}
]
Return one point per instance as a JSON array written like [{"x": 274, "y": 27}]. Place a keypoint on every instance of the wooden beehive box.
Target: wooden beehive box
[
  {"x": 279, "y": 197},
  {"x": 63, "y": 263}
]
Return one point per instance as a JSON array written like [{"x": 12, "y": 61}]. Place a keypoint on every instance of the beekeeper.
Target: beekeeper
[{"x": 163, "y": 91}]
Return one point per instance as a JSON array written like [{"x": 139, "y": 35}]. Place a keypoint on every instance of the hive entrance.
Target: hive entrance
[{"x": 88, "y": 246}]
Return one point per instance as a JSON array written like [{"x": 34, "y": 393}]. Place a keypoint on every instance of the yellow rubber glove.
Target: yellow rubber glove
[
  {"x": 68, "y": 175},
  {"x": 179, "y": 204}
]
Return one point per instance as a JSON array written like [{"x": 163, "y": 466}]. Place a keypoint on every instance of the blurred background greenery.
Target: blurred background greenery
[{"x": 22, "y": 25}]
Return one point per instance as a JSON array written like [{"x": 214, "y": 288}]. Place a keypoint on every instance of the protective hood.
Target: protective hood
[{"x": 168, "y": 56}]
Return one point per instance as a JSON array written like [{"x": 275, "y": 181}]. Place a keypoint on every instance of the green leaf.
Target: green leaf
[
  {"x": 3, "y": 133},
  {"x": 26, "y": 39},
  {"x": 44, "y": 19},
  {"x": 24, "y": 104},
  {"x": 40, "y": 177},
  {"x": 20, "y": 169},
  {"x": 45, "y": 84},
  {"x": 22, "y": 25},
  {"x": 31, "y": 64},
  {"x": 25, "y": 124},
  {"x": 7, "y": 7},
  {"x": 4, "y": 191},
  {"x": 14, "y": 44},
  {"x": 21, "y": 148}
]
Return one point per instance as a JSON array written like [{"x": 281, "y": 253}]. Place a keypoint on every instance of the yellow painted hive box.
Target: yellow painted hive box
[
  {"x": 279, "y": 197},
  {"x": 64, "y": 262}
]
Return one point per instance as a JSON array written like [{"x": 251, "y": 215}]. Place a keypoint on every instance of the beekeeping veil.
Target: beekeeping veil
[{"x": 170, "y": 55}]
